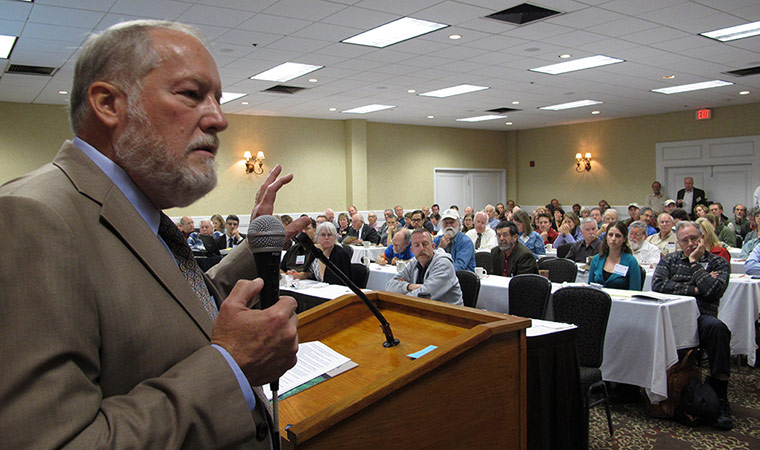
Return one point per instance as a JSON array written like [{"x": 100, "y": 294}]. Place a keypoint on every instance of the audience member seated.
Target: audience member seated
[
  {"x": 391, "y": 227},
  {"x": 534, "y": 217},
  {"x": 218, "y": 222},
  {"x": 581, "y": 251},
  {"x": 585, "y": 212},
  {"x": 751, "y": 239},
  {"x": 700, "y": 210},
  {"x": 646, "y": 215},
  {"x": 194, "y": 240},
  {"x": 435, "y": 219},
  {"x": 400, "y": 215},
  {"x": 298, "y": 258},
  {"x": 698, "y": 273},
  {"x": 430, "y": 274},
  {"x": 633, "y": 214},
  {"x": 577, "y": 209},
  {"x": 712, "y": 244},
  {"x": 232, "y": 236},
  {"x": 725, "y": 234},
  {"x": 456, "y": 243},
  {"x": 399, "y": 250},
  {"x": 752, "y": 264},
  {"x": 286, "y": 220},
  {"x": 372, "y": 221},
  {"x": 716, "y": 209},
  {"x": 344, "y": 224},
  {"x": 468, "y": 223},
  {"x": 417, "y": 220},
  {"x": 384, "y": 227},
  {"x": 361, "y": 231},
  {"x": 615, "y": 266},
  {"x": 482, "y": 236},
  {"x": 645, "y": 252},
  {"x": 669, "y": 206},
  {"x": 603, "y": 205},
  {"x": 511, "y": 257},
  {"x": 321, "y": 218},
  {"x": 558, "y": 216},
  {"x": 351, "y": 211},
  {"x": 678, "y": 214},
  {"x": 665, "y": 239},
  {"x": 528, "y": 237},
  {"x": 187, "y": 226},
  {"x": 740, "y": 223},
  {"x": 330, "y": 215},
  {"x": 544, "y": 222},
  {"x": 609, "y": 218},
  {"x": 326, "y": 241},
  {"x": 493, "y": 218},
  {"x": 569, "y": 230},
  {"x": 596, "y": 214}
]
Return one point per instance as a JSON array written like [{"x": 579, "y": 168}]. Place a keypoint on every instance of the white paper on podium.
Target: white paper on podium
[{"x": 314, "y": 359}]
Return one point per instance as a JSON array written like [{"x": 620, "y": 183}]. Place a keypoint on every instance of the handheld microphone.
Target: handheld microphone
[{"x": 266, "y": 237}]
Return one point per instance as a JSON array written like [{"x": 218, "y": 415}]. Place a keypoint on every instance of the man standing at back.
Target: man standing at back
[{"x": 127, "y": 360}]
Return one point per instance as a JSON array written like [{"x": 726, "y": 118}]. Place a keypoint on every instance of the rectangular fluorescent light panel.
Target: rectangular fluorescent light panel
[
  {"x": 6, "y": 45},
  {"x": 578, "y": 104},
  {"x": 481, "y": 118},
  {"x": 368, "y": 109},
  {"x": 692, "y": 87},
  {"x": 285, "y": 72},
  {"x": 578, "y": 64},
  {"x": 454, "y": 90},
  {"x": 230, "y": 96},
  {"x": 394, "y": 32},
  {"x": 733, "y": 33}
]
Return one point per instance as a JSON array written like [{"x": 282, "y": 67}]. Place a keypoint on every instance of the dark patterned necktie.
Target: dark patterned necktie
[
  {"x": 477, "y": 241},
  {"x": 178, "y": 245}
]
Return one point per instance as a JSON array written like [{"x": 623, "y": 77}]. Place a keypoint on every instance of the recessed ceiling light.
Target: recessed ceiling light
[
  {"x": 733, "y": 33},
  {"x": 412, "y": 91},
  {"x": 454, "y": 90},
  {"x": 63, "y": 92},
  {"x": 368, "y": 109},
  {"x": 578, "y": 104},
  {"x": 431, "y": 117},
  {"x": 743, "y": 92},
  {"x": 565, "y": 56},
  {"x": 507, "y": 123},
  {"x": 333, "y": 109},
  {"x": 668, "y": 77},
  {"x": 481, "y": 118},
  {"x": 394, "y": 32},
  {"x": 243, "y": 103},
  {"x": 313, "y": 80},
  {"x": 454, "y": 37},
  {"x": 692, "y": 87},
  {"x": 230, "y": 96},
  {"x": 285, "y": 72},
  {"x": 515, "y": 102},
  {"x": 578, "y": 64},
  {"x": 595, "y": 112},
  {"x": 6, "y": 45}
]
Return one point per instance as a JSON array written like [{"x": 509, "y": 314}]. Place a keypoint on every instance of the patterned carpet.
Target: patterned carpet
[{"x": 635, "y": 430}]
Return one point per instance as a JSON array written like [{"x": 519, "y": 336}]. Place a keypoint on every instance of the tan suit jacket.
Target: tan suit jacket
[{"x": 104, "y": 344}]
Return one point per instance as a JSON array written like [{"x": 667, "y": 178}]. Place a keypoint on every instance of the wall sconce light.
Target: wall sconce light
[
  {"x": 582, "y": 162},
  {"x": 254, "y": 165}
]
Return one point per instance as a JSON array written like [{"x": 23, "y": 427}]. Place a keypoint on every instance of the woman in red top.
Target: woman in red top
[{"x": 711, "y": 240}]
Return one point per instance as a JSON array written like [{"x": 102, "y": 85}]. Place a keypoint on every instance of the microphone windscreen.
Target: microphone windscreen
[{"x": 266, "y": 233}]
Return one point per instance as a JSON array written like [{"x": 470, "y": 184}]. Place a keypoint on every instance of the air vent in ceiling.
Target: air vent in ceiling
[
  {"x": 502, "y": 110},
  {"x": 30, "y": 70},
  {"x": 744, "y": 72},
  {"x": 283, "y": 89},
  {"x": 522, "y": 14}
]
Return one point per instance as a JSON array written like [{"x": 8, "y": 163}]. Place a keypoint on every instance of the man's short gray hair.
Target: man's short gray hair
[
  {"x": 122, "y": 55},
  {"x": 586, "y": 220},
  {"x": 406, "y": 234},
  {"x": 644, "y": 209},
  {"x": 688, "y": 223},
  {"x": 639, "y": 224},
  {"x": 420, "y": 231}
]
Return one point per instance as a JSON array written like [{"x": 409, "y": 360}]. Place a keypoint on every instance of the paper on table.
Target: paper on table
[{"x": 314, "y": 359}]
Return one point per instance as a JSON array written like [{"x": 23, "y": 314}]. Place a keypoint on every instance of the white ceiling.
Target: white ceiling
[{"x": 654, "y": 37}]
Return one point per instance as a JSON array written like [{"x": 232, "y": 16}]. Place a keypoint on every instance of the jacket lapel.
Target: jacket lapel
[{"x": 121, "y": 218}]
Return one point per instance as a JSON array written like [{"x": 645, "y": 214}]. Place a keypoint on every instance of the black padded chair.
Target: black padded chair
[
  {"x": 483, "y": 259},
  {"x": 349, "y": 249},
  {"x": 470, "y": 284},
  {"x": 739, "y": 241},
  {"x": 643, "y": 276},
  {"x": 560, "y": 269},
  {"x": 529, "y": 295},
  {"x": 589, "y": 309},
  {"x": 563, "y": 249},
  {"x": 359, "y": 275}
]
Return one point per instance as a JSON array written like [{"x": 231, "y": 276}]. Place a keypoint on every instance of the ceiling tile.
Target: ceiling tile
[
  {"x": 267, "y": 23},
  {"x": 15, "y": 10},
  {"x": 212, "y": 15},
  {"x": 166, "y": 9},
  {"x": 315, "y": 10}
]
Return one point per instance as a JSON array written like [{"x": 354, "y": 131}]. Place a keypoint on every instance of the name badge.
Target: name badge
[
  {"x": 300, "y": 259},
  {"x": 620, "y": 270},
  {"x": 671, "y": 246}
]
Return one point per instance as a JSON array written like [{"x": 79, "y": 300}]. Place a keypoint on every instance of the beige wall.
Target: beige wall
[
  {"x": 623, "y": 152},
  {"x": 399, "y": 159}
]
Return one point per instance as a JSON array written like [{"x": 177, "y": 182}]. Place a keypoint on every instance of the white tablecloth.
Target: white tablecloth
[
  {"x": 360, "y": 252},
  {"x": 739, "y": 309}
]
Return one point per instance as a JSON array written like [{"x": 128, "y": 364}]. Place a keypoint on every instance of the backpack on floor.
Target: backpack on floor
[
  {"x": 687, "y": 368},
  {"x": 699, "y": 405}
]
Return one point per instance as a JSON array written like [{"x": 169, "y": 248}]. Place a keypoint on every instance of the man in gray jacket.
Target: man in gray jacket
[{"x": 430, "y": 272}]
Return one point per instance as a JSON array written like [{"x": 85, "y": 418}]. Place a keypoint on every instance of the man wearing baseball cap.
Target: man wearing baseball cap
[{"x": 456, "y": 243}]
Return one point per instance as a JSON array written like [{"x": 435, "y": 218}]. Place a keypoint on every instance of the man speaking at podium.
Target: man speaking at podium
[{"x": 112, "y": 337}]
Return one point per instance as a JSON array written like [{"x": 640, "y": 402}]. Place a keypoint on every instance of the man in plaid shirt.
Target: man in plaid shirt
[{"x": 695, "y": 272}]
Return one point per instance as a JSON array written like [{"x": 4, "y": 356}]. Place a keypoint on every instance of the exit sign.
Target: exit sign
[{"x": 704, "y": 114}]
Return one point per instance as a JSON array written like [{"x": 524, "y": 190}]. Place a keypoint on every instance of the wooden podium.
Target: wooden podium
[{"x": 468, "y": 393}]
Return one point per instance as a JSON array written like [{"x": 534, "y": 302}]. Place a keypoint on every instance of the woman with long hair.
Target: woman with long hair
[
  {"x": 527, "y": 236},
  {"x": 615, "y": 266},
  {"x": 712, "y": 244}
]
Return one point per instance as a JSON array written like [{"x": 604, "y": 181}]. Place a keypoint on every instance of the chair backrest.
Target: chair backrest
[
  {"x": 470, "y": 284},
  {"x": 349, "y": 249},
  {"x": 739, "y": 241},
  {"x": 589, "y": 309},
  {"x": 483, "y": 259},
  {"x": 528, "y": 295},
  {"x": 563, "y": 249},
  {"x": 643, "y": 277},
  {"x": 560, "y": 269},
  {"x": 359, "y": 275}
]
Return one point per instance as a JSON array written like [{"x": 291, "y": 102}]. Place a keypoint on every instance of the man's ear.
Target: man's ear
[{"x": 108, "y": 103}]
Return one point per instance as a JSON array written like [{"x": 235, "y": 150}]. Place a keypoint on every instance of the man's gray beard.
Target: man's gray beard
[
  {"x": 635, "y": 246},
  {"x": 505, "y": 248},
  {"x": 142, "y": 152}
]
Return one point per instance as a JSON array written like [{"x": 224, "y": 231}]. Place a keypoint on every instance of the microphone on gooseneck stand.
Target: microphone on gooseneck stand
[
  {"x": 305, "y": 240},
  {"x": 266, "y": 237}
]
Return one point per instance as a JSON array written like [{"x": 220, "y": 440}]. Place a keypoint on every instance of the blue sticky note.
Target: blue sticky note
[{"x": 424, "y": 351}]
